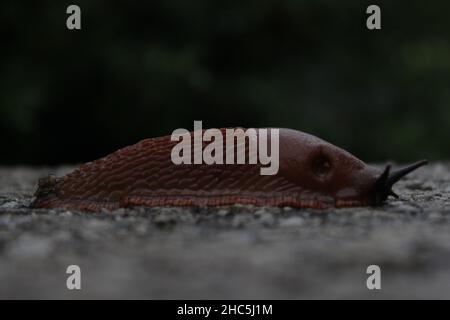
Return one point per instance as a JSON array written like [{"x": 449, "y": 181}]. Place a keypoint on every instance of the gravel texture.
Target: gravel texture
[{"x": 230, "y": 252}]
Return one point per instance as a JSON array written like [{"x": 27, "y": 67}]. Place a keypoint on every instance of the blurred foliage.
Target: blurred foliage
[{"x": 141, "y": 69}]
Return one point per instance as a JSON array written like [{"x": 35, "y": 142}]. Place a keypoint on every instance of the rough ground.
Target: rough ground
[{"x": 236, "y": 252}]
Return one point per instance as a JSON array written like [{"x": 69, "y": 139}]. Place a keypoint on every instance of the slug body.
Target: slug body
[{"x": 312, "y": 174}]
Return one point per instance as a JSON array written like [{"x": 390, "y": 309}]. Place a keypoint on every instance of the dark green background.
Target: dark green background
[{"x": 140, "y": 69}]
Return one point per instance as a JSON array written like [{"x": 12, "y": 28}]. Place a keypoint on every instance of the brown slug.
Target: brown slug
[{"x": 312, "y": 174}]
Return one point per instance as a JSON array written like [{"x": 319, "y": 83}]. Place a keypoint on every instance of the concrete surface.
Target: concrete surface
[{"x": 235, "y": 252}]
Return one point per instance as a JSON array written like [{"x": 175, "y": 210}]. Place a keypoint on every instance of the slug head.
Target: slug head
[
  {"x": 334, "y": 174},
  {"x": 369, "y": 186}
]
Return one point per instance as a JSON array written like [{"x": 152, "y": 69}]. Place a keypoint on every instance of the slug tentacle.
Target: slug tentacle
[
  {"x": 398, "y": 174},
  {"x": 387, "y": 180}
]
